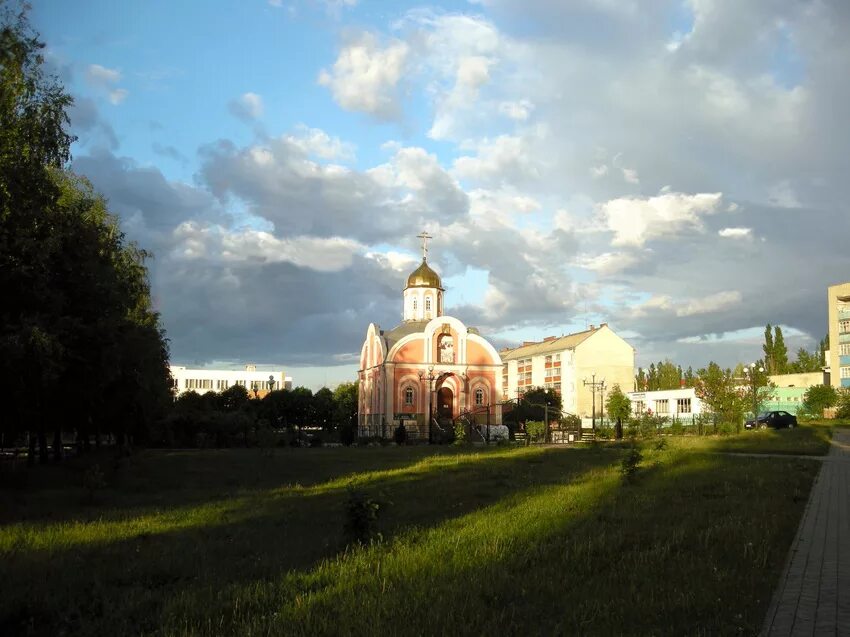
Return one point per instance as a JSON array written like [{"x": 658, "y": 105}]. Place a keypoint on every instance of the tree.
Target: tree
[
  {"x": 323, "y": 408},
  {"x": 76, "y": 325},
  {"x": 345, "y": 411},
  {"x": 619, "y": 407},
  {"x": 780, "y": 352},
  {"x": 819, "y": 397},
  {"x": 768, "y": 348},
  {"x": 717, "y": 388},
  {"x": 843, "y": 403},
  {"x": 640, "y": 380}
]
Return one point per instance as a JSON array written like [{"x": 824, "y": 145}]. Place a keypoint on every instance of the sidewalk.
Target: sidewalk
[{"x": 813, "y": 596}]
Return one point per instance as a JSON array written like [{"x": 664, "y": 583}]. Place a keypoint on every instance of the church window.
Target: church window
[
  {"x": 414, "y": 305},
  {"x": 428, "y": 304},
  {"x": 408, "y": 396},
  {"x": 479, "y": 396}
]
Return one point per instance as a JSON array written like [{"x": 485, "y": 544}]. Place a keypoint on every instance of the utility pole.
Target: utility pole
[{"x": 594, "y": 385}]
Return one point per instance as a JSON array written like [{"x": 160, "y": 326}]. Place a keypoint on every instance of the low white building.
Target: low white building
[
  {"x": 204, "y": 380},
  {"x": 676, "y": 404}
]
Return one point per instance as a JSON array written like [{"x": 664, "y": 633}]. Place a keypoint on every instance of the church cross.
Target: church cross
[{"x": 424, "y": 236}]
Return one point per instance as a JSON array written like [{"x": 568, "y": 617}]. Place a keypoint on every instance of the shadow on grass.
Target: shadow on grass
[
  {"x": 547, "y": 541},
  {"x": 124, "y": 566}
]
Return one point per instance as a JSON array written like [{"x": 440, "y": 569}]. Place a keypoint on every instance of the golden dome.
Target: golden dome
[{"x": 424, "y": 277}]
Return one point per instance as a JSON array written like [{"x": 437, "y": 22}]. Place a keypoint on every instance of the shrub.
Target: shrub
[
  {"x": 460, "y": 432},
  {"x": 631, "y": 463},
  {"x": 676, "y": 428},
  {"x": 535, "y": 430},
  {"x": 400, "y": 434},
  {"x": 361, "y": 517},
  {"x": 843, "y": 404}
]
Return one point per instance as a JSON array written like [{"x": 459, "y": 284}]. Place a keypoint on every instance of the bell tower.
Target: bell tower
[{"x": 423, "y": 295}]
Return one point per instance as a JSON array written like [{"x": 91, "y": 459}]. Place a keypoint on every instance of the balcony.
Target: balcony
[{"x": 843, "y": 314}]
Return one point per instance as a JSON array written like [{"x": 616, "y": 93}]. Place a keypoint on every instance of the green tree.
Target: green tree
[
  {"x": 619, "y": 407},
  {"x": 324, "y": 408},
  {"x": 768, "y": 348},
  {"x": 819, "y": 397},
  {"x": 345, "y": 411},
  {"x": 780, "y": 352},
  {"x": 718, "y": 389},
  {"x": 80, "y": 347},
  {"x": 843, "y": 403},
  {"x": 668, "y": 376}
]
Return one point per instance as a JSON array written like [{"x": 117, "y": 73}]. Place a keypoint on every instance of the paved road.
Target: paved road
[{"x": 813, "y": 597}]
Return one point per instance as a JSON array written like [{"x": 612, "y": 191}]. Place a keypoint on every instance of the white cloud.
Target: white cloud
[
  {"x": 103, "y": 79},
  {"x": 101, "y": 76},
  {"x": 365, "y": 76},
  {"x": 634, "y": 220},
  {"x": 506, "y": 158},
  {"x": 314, "y": 141},
  {"x": 599, "y": 171},
  {"x": 195, "y": 241},
  {"x": 608, "y": 262},
  {"x": 736, "y": 233},
  {"x": 247, "y": 107},
  {"x": 681, "y": 308}
]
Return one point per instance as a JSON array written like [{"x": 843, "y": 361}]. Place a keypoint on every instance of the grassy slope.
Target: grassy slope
[
  {"x": 805, "y": 440},
  {"x": 508, "y": 541}
]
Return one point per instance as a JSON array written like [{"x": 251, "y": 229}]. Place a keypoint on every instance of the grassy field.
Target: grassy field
[
  {"x": 505, "y": 540},
  {"x": 808, "y": 440}
]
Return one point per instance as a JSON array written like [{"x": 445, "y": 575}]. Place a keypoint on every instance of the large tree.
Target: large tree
[
  {"x": 619, "y": 407},
  {"x": 80, "y": 346},
  {"x": 719, "y": 390}
]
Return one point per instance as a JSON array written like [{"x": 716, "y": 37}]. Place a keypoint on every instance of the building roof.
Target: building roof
[
  {"x": 407, "y": 328},
  {"x": 424, "y": 277},
  {"x": 548, "y": 345}
]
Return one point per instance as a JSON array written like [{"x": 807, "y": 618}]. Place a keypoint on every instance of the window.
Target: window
[
  {"x": 640, "y": 407},
  {"x": 479, "y": 396},
  {"x": 845, "y": 372},
  {"x": 557, "y": 357},
  {"x": 408, "y": 396},
  {"x": 844, "y": 349},
  {"x": 549, "y": 372},
  {"x": 662, "y": 406},
  {"x": 427, "y": 304},
  {"x": 414, "y": 305},
  {"x": 683, "y": 406},
  {"x": 844, "y": 326}
]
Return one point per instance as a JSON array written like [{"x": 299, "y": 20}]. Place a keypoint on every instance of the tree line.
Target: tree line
[
  {"x": 233, "y": 418},
  {"x": 81, "y": 346}
]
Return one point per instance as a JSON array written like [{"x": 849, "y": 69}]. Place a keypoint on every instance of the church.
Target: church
[{"x": 428, "y": 370}]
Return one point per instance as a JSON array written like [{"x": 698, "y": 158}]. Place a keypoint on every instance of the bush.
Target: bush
[
  {"x": 535, "y": 430},
  {"x": 604, "y": 431},
  {"x": 676, "y": 428},
  {"x": 361, "y": 517},
  {"x": 460, "y": 432},
  {"x": 843, "y": 404},
  {"x": 400, "y": 435},
  {"x": 631, "y": 463}
]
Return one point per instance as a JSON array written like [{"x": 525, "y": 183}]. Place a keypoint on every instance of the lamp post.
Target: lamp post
[
  {"x": 751, "y": 370},
  {"x": 430, "y": 377},
  {"x": 271, "y": 383},
  {"x": 594, "y": 385},
  {"x": 256, "y": 390}
]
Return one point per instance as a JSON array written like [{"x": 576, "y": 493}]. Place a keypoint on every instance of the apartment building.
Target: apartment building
[
  {"x": 838, "y": 357},
  {"x": 204, "y": 380},
  {"x": 564, "y": 363}
]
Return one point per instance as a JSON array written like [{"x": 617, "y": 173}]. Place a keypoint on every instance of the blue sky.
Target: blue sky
[{"x": 657, "y": 165}]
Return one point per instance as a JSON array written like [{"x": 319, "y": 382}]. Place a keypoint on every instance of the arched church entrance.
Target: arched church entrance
[{"x": 445, "y": 403}]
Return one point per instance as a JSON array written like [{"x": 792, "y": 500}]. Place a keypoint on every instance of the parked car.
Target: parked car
[{"x": 775, "y": 419}]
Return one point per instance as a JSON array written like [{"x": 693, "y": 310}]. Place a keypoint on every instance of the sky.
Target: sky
[{"x": 675, "y": 168}]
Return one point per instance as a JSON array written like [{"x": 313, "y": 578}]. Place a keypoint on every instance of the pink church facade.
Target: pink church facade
[{"x": 428, "y": 370}]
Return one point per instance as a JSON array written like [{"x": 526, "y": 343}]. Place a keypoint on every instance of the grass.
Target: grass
[
  {"x": 503, "y": 540},
  {"x": 806, "y": 440}
]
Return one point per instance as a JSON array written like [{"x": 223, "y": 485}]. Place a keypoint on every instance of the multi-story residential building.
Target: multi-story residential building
[
  {"x": 204, "y": 380},
  {"x": 564, "y": 364},
  {"x": 838, "y": 357}
]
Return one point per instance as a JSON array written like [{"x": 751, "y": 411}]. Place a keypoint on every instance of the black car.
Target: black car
[{"x": 775, "y": 419}]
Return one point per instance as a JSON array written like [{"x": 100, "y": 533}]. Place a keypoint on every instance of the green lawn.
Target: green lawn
[
  {"x": 508, "y": 541},
  {"x": 807, "y": 440}
]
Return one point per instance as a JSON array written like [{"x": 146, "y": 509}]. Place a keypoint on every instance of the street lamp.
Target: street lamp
[
  {"x": 430, "y": 377},
  {"x": 594, "y": 385},
  {"x": 751, "y": 371}
]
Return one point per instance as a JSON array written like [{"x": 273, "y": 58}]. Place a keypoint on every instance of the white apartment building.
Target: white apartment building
[
  {"x": 564, "y": 363},
  {"x": 675, "y": 404},
  {"x": 838, "y": 356},
  {"x": 204, "y": 380}
]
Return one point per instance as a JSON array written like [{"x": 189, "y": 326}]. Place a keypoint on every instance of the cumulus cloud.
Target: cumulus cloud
[
  {"x": 365, "y": 76},
  {"x": 634, "y": 220},
  {"x": 248, "y": 107},
  {"x": 314, "y": 141}
]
